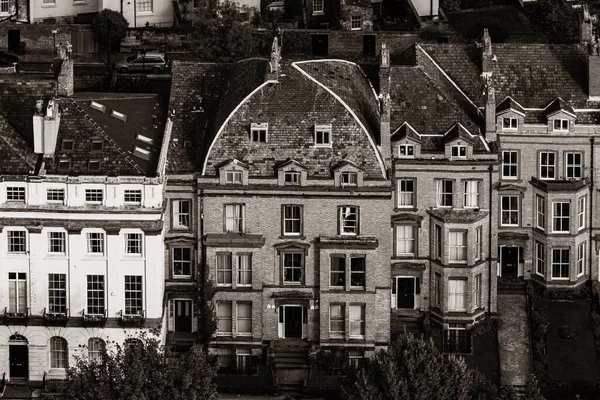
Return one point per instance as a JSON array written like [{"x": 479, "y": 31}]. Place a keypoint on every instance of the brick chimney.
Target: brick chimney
[
  {"x": 63, "y": 67},
  {"x": 274, "y": 63},
  {"x": 487, "y": 64},
  {"x": 594, "y": 70},
  {"x": 384, "y": 104},
  {"x": 46, "y": 121}
]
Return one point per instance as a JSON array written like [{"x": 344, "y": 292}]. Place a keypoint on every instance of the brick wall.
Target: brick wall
[{"x": 38, "y": 38}]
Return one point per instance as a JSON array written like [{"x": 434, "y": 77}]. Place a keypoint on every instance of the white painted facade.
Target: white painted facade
[
  {"x": 42, "y": 9},
  {"x": 73, "y": 219}
]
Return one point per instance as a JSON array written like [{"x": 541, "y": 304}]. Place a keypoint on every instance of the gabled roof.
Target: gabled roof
[
  {"x": 344, "y": 163},
  {"x": 290, "y": 161},
  {"x": 405, "y": 130},
  {"x": 532, "y": 74},
  {"x": 509, "y": 104},
  {"x": 559, "y": 104},
  {"x": 17, "y": 157},
  {"x": 231, "y": 161},
  {"x": 458, "y": 132},
  {"x": 420, "y": 101}
]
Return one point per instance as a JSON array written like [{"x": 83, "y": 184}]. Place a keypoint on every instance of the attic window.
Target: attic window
[
  {"x": 509, "y": 123},
  {"x": 406, "y": 150},
  {"x": 349, "y": 178},
  {"x": 144, "y": 139},
  {"x": 141, "y": 153},
  {"x": 97, "y": 146},
  {"x": 323, "y": 135},
  {"x": 118, "y": 115},
  {"x": 561, "y": 124},
  {"x": 67, "y": 145},
  {"x": 64, "y": 165},
  {"x": 234, "y": 177},
  {"x": 94, "y": 165},
  {"x": 459, "y": 151},
  {"x": 258, "y": 132},
  {"x": 97, "y": 106},
  {"x": 291, "y": 177}
]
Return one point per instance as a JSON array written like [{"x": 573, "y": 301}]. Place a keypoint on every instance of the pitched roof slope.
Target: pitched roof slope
[
  {"x": 16, "y": 156},
  {"x": 419, "y": 100},
  {"x": 348, "y": 81},
  {"x": 292, "y": 107},
  {"x": 532, "y": 74}
]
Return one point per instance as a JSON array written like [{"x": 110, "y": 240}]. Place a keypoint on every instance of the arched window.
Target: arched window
[
  {"x": 95, "y": 347},
  {"x": 59, "y": 353}
]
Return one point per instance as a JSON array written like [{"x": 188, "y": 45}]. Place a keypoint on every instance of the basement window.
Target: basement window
[{"x": 118, "y": 115}]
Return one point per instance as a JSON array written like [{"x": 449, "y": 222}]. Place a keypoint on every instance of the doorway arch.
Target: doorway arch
[{"x": 18, "y": 356}]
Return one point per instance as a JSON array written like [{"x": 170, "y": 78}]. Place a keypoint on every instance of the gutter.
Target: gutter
[
  {"x": 491, "y": 171},
  {"x": 591, "y": 208}
]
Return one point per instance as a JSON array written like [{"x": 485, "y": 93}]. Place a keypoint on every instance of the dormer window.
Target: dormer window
[
  {"x": 291, "y": 177},
  {"x": 509, "y": 123},
  {"x": 64, "y": 165},
  {"x": 459, "y": 151},
  {"x": 97, "y": 146},
  {"x": 406, "y": 150},
  {"x": 234, "y": 177},
  {"x": 349, "y": 178},
  {"x": 561, "y": 124},
  {"x": 258, "y": 132},
  {"x": 94, "y": 165},
  {"x": 323, "y": 135},
  {"x": 67, "y": 145}
]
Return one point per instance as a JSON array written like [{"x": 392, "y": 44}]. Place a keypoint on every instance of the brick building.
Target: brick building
[{"x": 80, "y": 222}]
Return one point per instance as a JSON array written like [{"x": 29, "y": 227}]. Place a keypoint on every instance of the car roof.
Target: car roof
[{"x": 153, "y": 54}]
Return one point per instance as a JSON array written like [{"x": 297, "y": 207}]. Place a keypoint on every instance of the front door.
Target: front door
[
  {"x": 19, "y": 361},
  {"x": 406, "y": 293},
  {"x": 510, "y": 261},
  {"x": 183, "y": 315},
  {"x": 292, "y": 316}
]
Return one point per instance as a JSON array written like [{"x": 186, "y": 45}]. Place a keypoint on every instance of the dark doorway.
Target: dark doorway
[
  {"x": 320, "y": 45},
  {"x": 293, "y": 321},
  {"x": 183, "y": 315},
  {"x": 369, "y": 45},
  {"x": 510, "y": 261},
  {"x": 406, "y": 292},
  {"x": 19, "y": 360},
  {"x": 14, "y": 38}
]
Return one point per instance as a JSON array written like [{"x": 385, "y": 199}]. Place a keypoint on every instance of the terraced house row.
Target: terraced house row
[{"x": 332, "y": 205}]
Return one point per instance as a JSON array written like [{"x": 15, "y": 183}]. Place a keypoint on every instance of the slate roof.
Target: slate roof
[
  {"x": 17, "y": 157},
  {"x": 507, "y": 104},
  {"x": 420, "y": 101},
  {"x": 532, "y": 74},
  {"x": 145, "y": 115},
  {"x": 559, "y": 105}
]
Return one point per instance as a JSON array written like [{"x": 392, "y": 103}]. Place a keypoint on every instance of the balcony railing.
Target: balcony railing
[
  {"x": 55, "y": 318},
  {"x": 132, "y": 320},
  {"x": 94, "y": 319},
  {"x": 15, "y": 318},
  {"x": 52, "y": 385}
]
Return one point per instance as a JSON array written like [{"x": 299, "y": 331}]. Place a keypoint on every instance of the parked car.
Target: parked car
[
  {"x": 8, "y": 61},
  {"x": 153, "y": 62}
]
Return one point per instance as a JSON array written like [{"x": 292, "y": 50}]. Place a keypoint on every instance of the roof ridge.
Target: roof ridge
[{"x": 106, "y": 137}]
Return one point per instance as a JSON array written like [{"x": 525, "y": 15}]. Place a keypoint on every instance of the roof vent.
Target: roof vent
[
  {"x": 97, "y": 106},
  {"x": 118, "y": 115},
  {"x": 144, "y": 139},
  {"x": 141, "y": 153}
]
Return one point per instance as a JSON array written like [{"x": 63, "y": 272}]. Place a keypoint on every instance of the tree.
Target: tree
[
  {"x": 141, "y": 370},
  {"x": 109, "y": 28},
  {"x": 413, "y": 369},
  {"x": 222, "y": 33}
]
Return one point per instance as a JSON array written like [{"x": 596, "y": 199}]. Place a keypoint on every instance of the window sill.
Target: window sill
[
  {"x": 290, "y": 236},
  {"x": 62, "y": 256},
  {"x": 405, "y": 208},
  {"x": 315, "y": 13},
  {"x": 403, "y": 256},
  {"x": 356, "y": 29},
  {"x": 509, "y": 226},
  {"x": 181, "y": 277},
  {"x": 80, "y": 3},
  {"x": 144, "y": 13}
]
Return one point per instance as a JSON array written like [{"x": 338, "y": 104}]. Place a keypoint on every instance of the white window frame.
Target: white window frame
[
  {"x": 257, "y": 131},
  {"x": 405, "y": 193},
  {"x": 239, "y": 320},
  {"x": 92, "y": 194},
  {"x": 558, "y": 218},
  {"x": 337, "y": 322},
  {"x": 348, "y": 225},
  {"x": 244, "y": 269},
  {"x": 234, "y": 177},
  {"x": 57, "y": 294},
  {"x": 540, "y": 212},
  {"x": 317, "y": 6},
  {"x": 59, "y": 355},
  {"x": 405, "y": 239},
  {"x": 438, "y": 242},
  {"x": 356, "y": 23},
  {"x": 357, "y": 320},
  {"x": 134, "y": 243},
  {"x": 95, "y": 293},
  {"x": 348, "y": 178},
  {"x": 294, "y": 217},
  {"x": 457, "y": 246},
  {"x": 224, "y": 311},
  {"x": 17, "y": 241},
  {"x": 17, "y": 292},
  {"x": 292, "y": 255},
  {"x": 55, "y": 195},
  {"x": 560, "y": 263},
  {"x": 323, "y": 136},
  {"x": 471, "y": 191},
  {"x": 508, "y": 165},
  {"x": 548, "y": 166},
  {"x": 540, "y": 259},
  {"x": 180, "y": 251},
  {"x": 235, "y": 217},
  {"x": 563, "y": 124},
  {"x": 16, "y": 194},
  {"x": 92, "y": 241},
  {"x": 134, "y": 295},
  {"x": 406, "y": 151},
  {"x": 458, "y": 151},
  {"x": 457, "y": 295},
  {"x": 224, "y": 269},
  {"x": 510, "y": 211},
  {"x": 581, "y": 213},
  {"x": 95, "y": 346},
  {"x": 144, "y": 7},
  {"x": 292, "y": 177},
  {"x": 580, "y": 258},
  {"x": 510, "y": 124},
  {"x": 478, "y": 243},
  {"x": 478, "y": 292},
  {"x": 132, "y": 196},
  {"x": 442, "y": 193},
  {"x": 573, "y": 167},
  {"x": 57, "y": 240},
  {"x": 181, "y": 217}
]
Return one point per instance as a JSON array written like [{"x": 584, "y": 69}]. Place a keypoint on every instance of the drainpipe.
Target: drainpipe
[
  {"x": 490, "y": 172},
  {"x": 591, "y": 208}
]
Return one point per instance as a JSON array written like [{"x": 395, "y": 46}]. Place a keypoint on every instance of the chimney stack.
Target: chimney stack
[
  {"x": 63, "y": 67},
  {"x": 487, "y": 64},
  {"x": 384, "y": 104},
  {"x": 594, "y": 69},
  {"x": 45, "y": 127},
  {"x": 274, "y": 63}
]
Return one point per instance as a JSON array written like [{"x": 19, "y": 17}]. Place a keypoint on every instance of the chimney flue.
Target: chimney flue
[
  {"x": 274, "y": 63},
  {"x": 384, "y": 104},
  {"x": 45, "y": 127}
]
